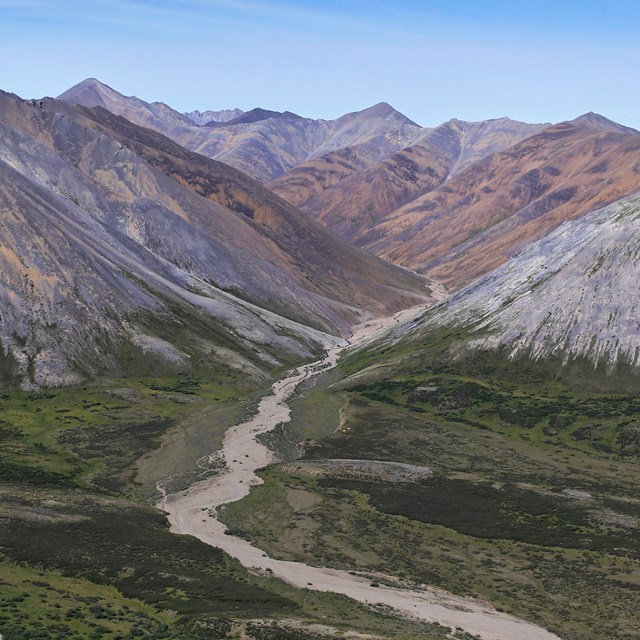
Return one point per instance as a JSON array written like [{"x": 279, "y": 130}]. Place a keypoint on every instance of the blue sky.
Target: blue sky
[{"x": 535, "y": 61}]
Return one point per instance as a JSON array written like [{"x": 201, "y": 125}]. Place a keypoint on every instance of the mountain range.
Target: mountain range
[
  {"x": 164, "y": 232},
  {"x": 262, "y": 143},
  {"x": 413, "y": 350},
  {"x": 466, "y": 197},
  {"x": 450, "y": 202},
  {"x": 476, "y": 220},
  {"x": 350, "y": 196},
  {"x": 141, "y": 234}
]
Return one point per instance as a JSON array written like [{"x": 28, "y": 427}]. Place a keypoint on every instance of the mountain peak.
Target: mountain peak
[
  {"x": 597, "y": 122},
  {"x": 93, "y": 93},
  {"x": 89, "y": 82},
  {"x": 379, "y": 110},
  {"x": 382, "y": 108},
  {"x": 90, "y": 92}
]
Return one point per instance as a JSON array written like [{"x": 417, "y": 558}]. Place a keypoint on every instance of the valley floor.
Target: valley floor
[
  {"x": 194, "y": 511},
  {"x": 503, "y": 482}
]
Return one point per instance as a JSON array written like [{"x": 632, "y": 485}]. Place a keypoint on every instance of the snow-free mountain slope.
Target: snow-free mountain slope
[
  {"x": 309, "y": 179},
  {"x": 157, "y": 115},
  {"x": 571, "y": 295},
  {"x": 133, "y": 248},
  {"x": 322, "y": 263},
  {"x": 356, "y": 197},
  {"x": 477, "y": 219}
]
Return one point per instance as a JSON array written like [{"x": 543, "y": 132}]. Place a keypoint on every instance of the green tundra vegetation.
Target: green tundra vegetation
[
  {"x": 83, "y": 554},
  {"x": 533, "y": 503}
]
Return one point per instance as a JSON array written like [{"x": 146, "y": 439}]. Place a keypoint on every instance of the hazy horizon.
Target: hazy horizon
[{"x": 539, "y": 63}]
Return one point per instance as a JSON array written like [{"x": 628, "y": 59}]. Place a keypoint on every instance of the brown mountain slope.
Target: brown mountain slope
[
  {"x": 320, "y": 261},
  {"x": 350, "y": 197},
  {"x": 304, "y": 182},
  {"x": 107, "y": 223},
  {"x": 474, "y": 221},
  {"x": 268, "y": 147}
]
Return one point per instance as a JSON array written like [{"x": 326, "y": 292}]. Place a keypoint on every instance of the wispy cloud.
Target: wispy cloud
[
  {"x": 432, "y": 59},
  {"x": 191, "y": 16}
]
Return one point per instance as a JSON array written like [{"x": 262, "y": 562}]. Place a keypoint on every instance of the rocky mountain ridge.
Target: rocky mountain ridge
[
  {"x": 254, "y": 115},
  {"x": 349, "y": 195},
  {"x": 156, "y": 115},
  {"x": 263, "y": 147}
]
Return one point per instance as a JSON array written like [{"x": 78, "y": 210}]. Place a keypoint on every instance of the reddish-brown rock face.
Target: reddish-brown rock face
[
  {"x": 463, "y": 199},
  {"x": 350, "y": 195},
  {"x": 477, "y": 219}
]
